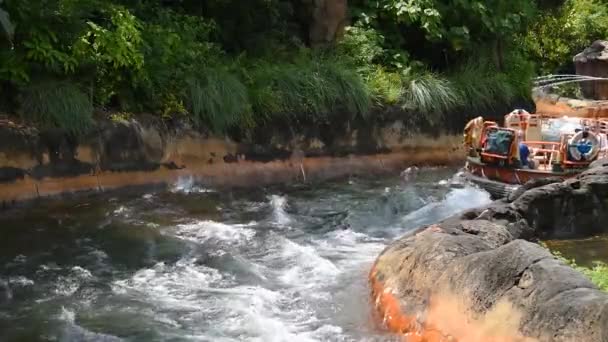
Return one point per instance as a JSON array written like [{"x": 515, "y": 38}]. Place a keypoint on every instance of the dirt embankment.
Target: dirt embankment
[{"x": 477, "y": 277}]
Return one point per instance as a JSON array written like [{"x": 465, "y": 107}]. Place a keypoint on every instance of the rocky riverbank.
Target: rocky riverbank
[
  {"x": 145, "y": 152},
  {"x": 478, "y": 276}
]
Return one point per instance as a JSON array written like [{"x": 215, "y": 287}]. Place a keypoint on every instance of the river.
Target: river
[{"x": 193, "y": 264}]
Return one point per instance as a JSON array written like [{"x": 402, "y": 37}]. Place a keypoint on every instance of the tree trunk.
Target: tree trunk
[{"x": 498, "y": 55}]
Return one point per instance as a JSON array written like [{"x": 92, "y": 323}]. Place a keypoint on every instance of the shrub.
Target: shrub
[
  {"x": 362, "y": 45},
  {"x": 57, "y": 104}
]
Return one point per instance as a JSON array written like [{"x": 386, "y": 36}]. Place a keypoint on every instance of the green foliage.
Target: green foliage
[
  {"x": 57, "y": 104},
  {"x": 219, "y": 99},
  {"x": 364, "y": 45},
  {"x": 113, "y": 51},
  {"x": 176, "y": 46},
  {"x": 313, "y": 88},
  {"x": 232, "y": 64},
  {"x": 560, "y": 34},
  {"x": 481, "y": 87},
  {"x": 598, "y": 274},
  {"x": 429, "y": 95},
  {"x": 460, "y": 25},
  {"x": 386, "y": 87}
]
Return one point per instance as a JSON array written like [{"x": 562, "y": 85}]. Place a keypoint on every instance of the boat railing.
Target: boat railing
[{"x": 548, "y": 150}]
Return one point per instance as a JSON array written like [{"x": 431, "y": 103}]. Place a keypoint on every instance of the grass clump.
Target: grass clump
[
  {"x": 481, "y": 87},
  {"x": 57, "y": 104},
  {"x": 385, "y": 87},
  {"x": 429, "y": 94},
  {"x": 219, "y": 99},
  {"x": 307, "y": 88}
]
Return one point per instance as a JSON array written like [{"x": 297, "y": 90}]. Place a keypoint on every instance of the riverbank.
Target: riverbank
[
  {"x": 477, "y": 277},
  {"x": 122, "y": 154}
]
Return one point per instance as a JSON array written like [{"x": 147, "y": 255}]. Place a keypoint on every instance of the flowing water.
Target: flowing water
[{"x": 192, "y": 264}]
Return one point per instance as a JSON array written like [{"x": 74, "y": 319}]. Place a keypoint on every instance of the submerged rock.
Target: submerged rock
[{"x": 475, "y": 277}]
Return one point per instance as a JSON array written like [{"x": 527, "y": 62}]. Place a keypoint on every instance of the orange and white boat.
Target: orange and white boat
[{"x": 531, "y": 146}]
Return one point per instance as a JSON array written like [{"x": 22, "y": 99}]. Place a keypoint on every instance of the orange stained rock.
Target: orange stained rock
[{"x": 445, "y": 321}]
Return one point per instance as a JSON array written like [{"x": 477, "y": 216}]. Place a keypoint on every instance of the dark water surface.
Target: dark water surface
[{"x": 190, "y": 264}]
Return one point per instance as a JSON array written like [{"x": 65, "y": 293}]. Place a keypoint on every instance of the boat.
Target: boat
[{"x": 531, "y": 146}]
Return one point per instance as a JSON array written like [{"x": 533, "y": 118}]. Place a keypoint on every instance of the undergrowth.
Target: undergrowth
[
  {"x": 219, "y": 99},
  {"x": 57, "y": 104},
  {"x": 306, "y": 89}
]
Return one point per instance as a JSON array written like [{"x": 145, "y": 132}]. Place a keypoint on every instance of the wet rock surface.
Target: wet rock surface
[{"x": 484, "y": 259}]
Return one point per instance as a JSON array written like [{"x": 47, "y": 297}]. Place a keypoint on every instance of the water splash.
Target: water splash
[
  {"x": 204, "y": 231},
  {"x": 187, "y": 185},
  {"x": 279, "y": 213},
  {"x": 454, "y": 202}
]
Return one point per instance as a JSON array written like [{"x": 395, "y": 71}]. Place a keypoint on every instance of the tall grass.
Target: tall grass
[
  {"x": 481, "y": 87},
  {"x": 385, "y": 87},
  {"x": 57, "y": 104},
  {"x": 430, "y": 95},
  {"x": 219, "y": 99},
  {"x": 307, "y": 89}
]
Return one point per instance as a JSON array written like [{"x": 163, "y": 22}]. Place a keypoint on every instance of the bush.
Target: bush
[
  {"x": 176, "y": 47},
  {"x": 57, "y": 104},
  {"x": 362, "y": 45}
]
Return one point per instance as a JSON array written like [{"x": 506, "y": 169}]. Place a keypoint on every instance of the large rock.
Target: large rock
[
  {"x": 474, "y": 277},
  {"x": 593, "y": 61}
]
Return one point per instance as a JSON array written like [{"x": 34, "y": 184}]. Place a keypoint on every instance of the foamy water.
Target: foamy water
[{"x": 285, "y": 264}]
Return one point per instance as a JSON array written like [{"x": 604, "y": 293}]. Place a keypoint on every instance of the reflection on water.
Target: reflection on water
[
  {"x": 583, "y": 251},
  {"x": 189, "y": 264}
]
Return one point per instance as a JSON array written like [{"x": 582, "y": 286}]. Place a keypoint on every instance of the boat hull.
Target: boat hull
[{"x": 508, "y": 175}]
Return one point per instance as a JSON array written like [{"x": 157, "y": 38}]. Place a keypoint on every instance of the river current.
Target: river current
[{"x": 193, "y": 264}]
